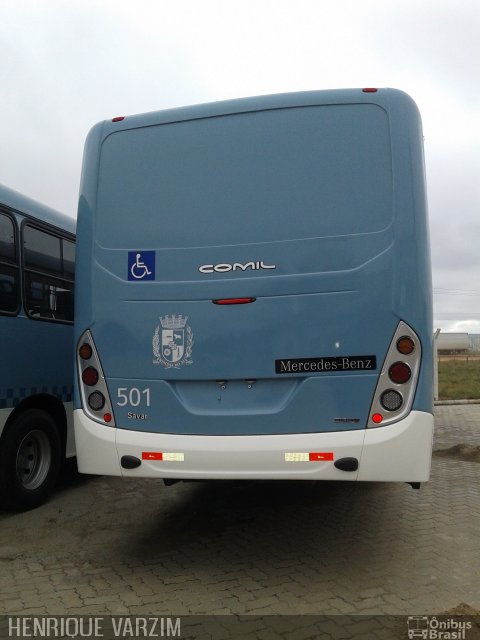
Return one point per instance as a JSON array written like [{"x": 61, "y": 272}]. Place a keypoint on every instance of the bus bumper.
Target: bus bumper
[{"x": 400, "y": 452}]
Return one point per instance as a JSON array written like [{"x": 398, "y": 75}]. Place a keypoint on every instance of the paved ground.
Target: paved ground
[{"x": 105, "y": 545}]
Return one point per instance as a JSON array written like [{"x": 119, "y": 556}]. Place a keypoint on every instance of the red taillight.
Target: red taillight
[
  {"x": 399, "y": 372},
  {"x": 396, "y": 384},
  {"x": 92, "y": 385},
  {"x": 90, "y": 376}
]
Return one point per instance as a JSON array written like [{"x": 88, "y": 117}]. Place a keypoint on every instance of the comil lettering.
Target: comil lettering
[{"x": 236, "y": 266}]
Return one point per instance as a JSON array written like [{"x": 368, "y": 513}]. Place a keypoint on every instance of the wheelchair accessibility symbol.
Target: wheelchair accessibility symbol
[{"x": 141, "y": 265}]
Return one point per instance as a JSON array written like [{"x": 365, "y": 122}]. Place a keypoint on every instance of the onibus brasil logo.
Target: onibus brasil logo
[
  {"x": 172, "y": 344},
  {"x": 431, "y": 628}
]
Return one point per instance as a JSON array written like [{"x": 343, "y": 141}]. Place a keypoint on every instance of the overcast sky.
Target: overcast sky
[{"x": 66, "y": 64}]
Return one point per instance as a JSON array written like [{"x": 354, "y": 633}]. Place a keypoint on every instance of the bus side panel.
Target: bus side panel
[
  {"x": 35, "y": 360},
  {"x": 411, "y": 263}
]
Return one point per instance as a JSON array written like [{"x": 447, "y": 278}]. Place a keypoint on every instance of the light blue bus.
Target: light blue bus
[
  {"x": 254, "y": 292},
  {"x": 37, "y": 257}
]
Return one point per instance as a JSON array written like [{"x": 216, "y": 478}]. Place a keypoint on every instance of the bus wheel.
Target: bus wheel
[{"x": 30, "y": 459}]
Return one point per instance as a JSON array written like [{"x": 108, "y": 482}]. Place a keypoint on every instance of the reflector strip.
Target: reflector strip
[
  {"x": 296, "y": 457},
  {"x": 318, "y": 457},
  {"x": 152, "y": 455},
  {"x": 166, "y": 457},
  {"x": 174, "y": 457},
  {"x": 309, "y": 457}
]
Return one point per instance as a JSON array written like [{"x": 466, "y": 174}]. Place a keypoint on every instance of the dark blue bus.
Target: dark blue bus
[{"x": 37, "y": 258}]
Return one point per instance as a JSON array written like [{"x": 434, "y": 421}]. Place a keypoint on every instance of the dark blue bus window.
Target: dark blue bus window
[
  {"x": 42, "y": 250},
  {"x": 9, "y": 274},
  {"x": 49, "y": 273}
]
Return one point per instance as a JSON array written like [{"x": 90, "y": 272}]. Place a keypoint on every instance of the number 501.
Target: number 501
[{"x": 133, "y": 397}]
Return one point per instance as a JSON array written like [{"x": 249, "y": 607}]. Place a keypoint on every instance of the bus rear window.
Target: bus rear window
[{"x": 261, "y": 176}]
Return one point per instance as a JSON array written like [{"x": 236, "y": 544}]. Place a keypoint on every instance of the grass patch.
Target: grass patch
[{"x": 459, "y": 379}]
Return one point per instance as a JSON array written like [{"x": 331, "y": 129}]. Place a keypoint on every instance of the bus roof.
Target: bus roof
[
  {"x": 26, "y": 206},
  {"x": 385, "y": 97}
]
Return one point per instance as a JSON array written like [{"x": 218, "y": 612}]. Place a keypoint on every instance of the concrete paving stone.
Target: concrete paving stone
[
  {"x": 130, "y": 599},
  {"x": 12, "y": 604},
  {"x": 116, "y": 609},
  {"x": 71, "y": 598},
  {"x": 33, "y": 611},
  {"x": 99, "y": 600},
  {"x": 35, "y": 600},
  {"x": 28, "y": 595},
  {"x": 44, "y": 587},
  {"x": 233, "y": 605},
  {"x": 142, "y": 590},
  {"x": 372, "y": 592},
  {"x": 86, "y": 591},
  {"x": 10, "y": 589}
]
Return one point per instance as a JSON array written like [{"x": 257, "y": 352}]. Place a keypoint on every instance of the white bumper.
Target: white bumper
[{"x": 400, "y": 452}]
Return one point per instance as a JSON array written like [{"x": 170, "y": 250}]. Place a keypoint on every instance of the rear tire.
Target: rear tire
[{"x": 30, "y": 460}]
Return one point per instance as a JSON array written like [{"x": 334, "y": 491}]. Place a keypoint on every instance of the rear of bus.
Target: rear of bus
[{"x": 254, "y": 294}]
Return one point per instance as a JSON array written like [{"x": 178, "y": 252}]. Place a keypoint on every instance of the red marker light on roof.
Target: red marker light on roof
[
  {"x": 370, "y": 90},
  {"x": 118, "y": 119},
  {"x": 234, "y": 301}
]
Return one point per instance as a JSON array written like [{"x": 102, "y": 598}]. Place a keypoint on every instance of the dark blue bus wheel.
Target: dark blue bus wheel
[{"x": 30, "y": 459}]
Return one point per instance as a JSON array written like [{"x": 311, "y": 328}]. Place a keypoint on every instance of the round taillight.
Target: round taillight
[
  {"x": 96, "y": 401},
  {"x": 85, "y": 351},
  {"x": 391, "y": 400},
  {"x": 377, "y": 418},
  {"x": 400, "y": 372},
  {"x": 107, "y": 417},
  {"x": 90, "y": 376},
  {"x": 405, "y": 345}
]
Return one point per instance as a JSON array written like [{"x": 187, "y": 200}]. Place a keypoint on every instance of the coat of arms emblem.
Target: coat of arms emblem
[{"x": 172, "y": 344}]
